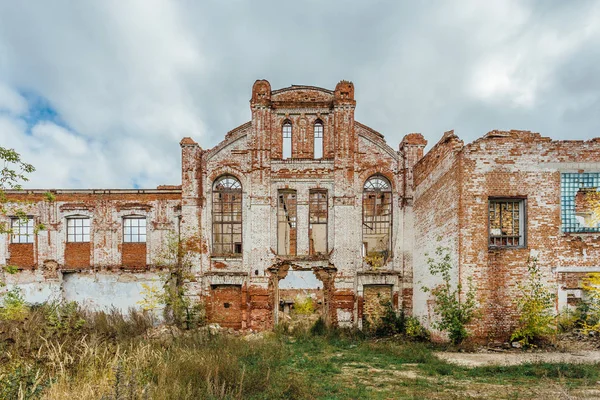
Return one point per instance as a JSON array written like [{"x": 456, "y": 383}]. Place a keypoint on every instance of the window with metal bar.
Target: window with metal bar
[
  {"x": 22, "y": 230},
  {"x": 227, "y": 216},
  {"x": 134, "y": 229},
  {"x": 78, "y": 229},
  {"x": 377, "y": 216},
  {"x": 286, "y": 222},
  {"x": 506, "y": 222},
  {"x": 317, "y": 220}
]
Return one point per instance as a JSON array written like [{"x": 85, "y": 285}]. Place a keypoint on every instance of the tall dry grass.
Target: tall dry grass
[{"x": 61, "y": 352}]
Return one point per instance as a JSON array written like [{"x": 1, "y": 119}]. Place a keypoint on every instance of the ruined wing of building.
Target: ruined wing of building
[{"x": 303, "y": 199}]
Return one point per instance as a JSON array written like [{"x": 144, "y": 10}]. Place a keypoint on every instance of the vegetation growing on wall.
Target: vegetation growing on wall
[
  {"x": 454, "y": 311},
  {"x": 535, "y": 305}
]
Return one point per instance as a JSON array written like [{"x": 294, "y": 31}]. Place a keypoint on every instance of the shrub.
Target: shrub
[
  {"x": 13, "y": 306},
  {"x": 591, "y": 318},
  {"x": 391, "y": 322},
  {"x": 535, "y": 304},
  {"x": 414, "y": 330},
  {"x": 304, "y": 305},
  {"x": 454, "y": 314}
]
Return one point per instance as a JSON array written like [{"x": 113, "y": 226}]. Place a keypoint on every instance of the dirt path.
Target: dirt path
[{"x": 510, "y": 358}]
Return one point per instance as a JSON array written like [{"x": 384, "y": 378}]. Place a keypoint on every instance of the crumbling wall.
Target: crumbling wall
[{"x": 437, "y": 197}]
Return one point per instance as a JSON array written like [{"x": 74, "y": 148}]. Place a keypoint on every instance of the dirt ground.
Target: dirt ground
[{"x": 484, "y": 358}]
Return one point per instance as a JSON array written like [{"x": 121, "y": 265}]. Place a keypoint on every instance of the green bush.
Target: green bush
[
  {"x": 13, "y": 306},
  {"x": 535, "y": 305},
  {"x": 454, "y": 313}
]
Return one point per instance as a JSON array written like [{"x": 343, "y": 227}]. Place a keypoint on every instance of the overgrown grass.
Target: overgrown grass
[{"x": 60, "y": 352}]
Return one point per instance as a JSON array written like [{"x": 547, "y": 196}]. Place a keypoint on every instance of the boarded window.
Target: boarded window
[
  {"x": 286, "y": 222},
  {"x": 227, "y": 216},
  {"x": 317, "y": 228},
  {"x": 318, "y": 144},
  {"x": 22, "y": 230},
  {"x": 506, "y": 222},
  {"x": 287, "y": 140},
  {"x": 377, "y": 217}
]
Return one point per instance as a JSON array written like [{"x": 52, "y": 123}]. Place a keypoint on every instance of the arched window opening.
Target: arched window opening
[
  {"x": 287, "y": 140},
  {"x": 318, "y": 143},
  {"x": 227, "y": 216},
  {"x": 377, "y": 219}
]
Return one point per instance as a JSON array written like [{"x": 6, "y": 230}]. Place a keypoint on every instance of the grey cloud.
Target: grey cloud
[{"x": 132, "y": 78}]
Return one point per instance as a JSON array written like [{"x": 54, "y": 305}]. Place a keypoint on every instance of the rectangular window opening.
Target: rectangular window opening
[
  {"x": 22, "y": 230},
  {"x": 78, "y": 229},
  {"x": 317, "y": 228},
  {"x": 286, "y": 222},
  {"x": 506, "y": 222}
]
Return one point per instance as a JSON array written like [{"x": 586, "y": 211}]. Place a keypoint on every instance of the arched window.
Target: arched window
[
  {"x": 318, "y": 144},
  {"x": 377, "y": 216},
  {"x": 287, "y": 139},
  {"x": 227, "y": 216}
]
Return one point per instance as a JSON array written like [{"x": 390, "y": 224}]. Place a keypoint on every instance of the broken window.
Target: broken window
[
  {"x": 287, "y": 140},
  {"x": 286, "y": 222},
  {"x": 78, "y": 229},
  {"x": 506, "y": 222},
  {"x": 227, "y": 216},
  {"x": 317, "y": 224},
  {"x": 318, "y": 144},
  {"x": 134, "y": 229},
  {"x": 22, "y": 229},
  {"x": 580, "y": 202},
  {"x": 377, "y": 217}
]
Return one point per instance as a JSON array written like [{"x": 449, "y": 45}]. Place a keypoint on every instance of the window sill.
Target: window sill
[
  {"x": 225, "y": 256},
  {"x": 506, "y": 248}
]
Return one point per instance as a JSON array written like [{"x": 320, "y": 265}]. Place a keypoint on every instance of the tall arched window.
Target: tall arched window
[
  {"x": 287, "y": 139},
  {"x": 377, "y": 216},
  {"x": 318, "y": 144},
  {"x": 227, "y": 216}
]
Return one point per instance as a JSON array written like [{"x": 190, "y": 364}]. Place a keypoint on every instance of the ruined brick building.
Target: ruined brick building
[{"x": 305, "y": 201}]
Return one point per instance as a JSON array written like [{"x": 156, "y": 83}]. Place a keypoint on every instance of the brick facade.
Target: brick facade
[{"x": 247, "y": 283}]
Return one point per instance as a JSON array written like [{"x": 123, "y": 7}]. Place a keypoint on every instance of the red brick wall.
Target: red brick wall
[
  {"x": 21, "y": 255},
  {"x": 133, "y": 255},
  {"x": 225, "y": 306},
  {"x": 77, "y": 255}
]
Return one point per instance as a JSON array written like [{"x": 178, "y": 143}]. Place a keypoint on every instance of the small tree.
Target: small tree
[
  {"x": 454, "y": 313},
  {"x": 535, "y": 306},
  {"x": 176, "y": 256},
  {"x": 591, "y": 286}
]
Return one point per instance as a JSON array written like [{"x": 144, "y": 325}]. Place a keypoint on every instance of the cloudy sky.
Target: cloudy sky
[{"x": 97, "y": 94}]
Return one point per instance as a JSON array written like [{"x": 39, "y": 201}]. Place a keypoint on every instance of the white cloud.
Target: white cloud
[{"x": 11, "y": 101}]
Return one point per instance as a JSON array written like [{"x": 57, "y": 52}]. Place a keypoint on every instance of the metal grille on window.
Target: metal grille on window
[
  {"x": 78, "y": 230},
  {"x": 22, "y": 230},
  {"x": 318, "y": 145},
  {"x": 134, "y": 230},
  {"x": 287, "y": 140},
  {"x": 377, "y": 217},
  {"x": 580, "y": 202},
  {"x": 317, "y": 228},
  {"x": 286, "y": 222},
  {"x": 227, "y": 216},
  {"x": 506, "y": 223}
]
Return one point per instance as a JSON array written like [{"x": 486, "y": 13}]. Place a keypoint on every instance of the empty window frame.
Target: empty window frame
[
  {"x": 318, "y": 137},
  {"x": 287, "y": 140},
  {"x": 377, "y": 216},
  {"x": 22, "y": 230},
  {"x": 506, "y": 222},
  {"x": 78, "y": 229},
  {"x": 317, "y": 221},
  {"x": 286, "y": 222},
  {"x": 134, "y": 230},
  {"x": 227, "y": 216}
]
